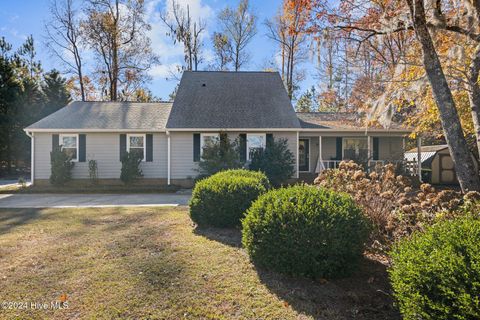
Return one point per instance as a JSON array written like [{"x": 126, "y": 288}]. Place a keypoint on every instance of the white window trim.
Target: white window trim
[
  {"x": 144, "y": 136},
  {"x": 209, "y": 134},
  {"x": 60, "y": 142},
  {"x": 309, "y": 152},
  {"x": 248, "y": 144},
  {"x": 344, "y": 144}
]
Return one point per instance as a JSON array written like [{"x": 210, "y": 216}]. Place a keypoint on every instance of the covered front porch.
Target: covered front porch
[{"x": 318, "y": 151}]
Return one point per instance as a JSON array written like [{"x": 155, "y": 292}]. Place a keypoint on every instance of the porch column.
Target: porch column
[
  {"x": 419, "y": 158},
  {"x": 297, "y": 161},
  {"x": 319, "y": 167},
  {"x": 369, "y": 150},
  {"x": 168, "y": 157}
]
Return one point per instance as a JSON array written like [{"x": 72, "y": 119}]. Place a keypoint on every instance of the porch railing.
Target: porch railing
[{"x": 372, "y": 164}]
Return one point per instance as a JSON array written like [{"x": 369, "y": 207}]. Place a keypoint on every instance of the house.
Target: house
[
  {"x": 436, "y": 164},
  {"x": 170, "y": 136}
]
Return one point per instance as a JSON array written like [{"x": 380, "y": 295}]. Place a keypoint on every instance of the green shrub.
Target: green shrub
[
  {"x": 436, "y": 274},
  {"x": 218, "y": 156},
  {"x": 276, "y": 161},
  {"x": 131, "y": 167},
  {"x": 305, "y": 231},
  {"x": 61, "y": 167},
  {"x": 222, "y": 199},
  {"x": 93, "y": 171}
]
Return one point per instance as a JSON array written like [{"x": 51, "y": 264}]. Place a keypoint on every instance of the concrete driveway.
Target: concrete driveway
[{"x": 92, "y": 200}]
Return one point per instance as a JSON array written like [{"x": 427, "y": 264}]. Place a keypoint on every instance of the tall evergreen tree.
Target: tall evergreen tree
[
  {"x": 10, "y": 90},
  {"x": 54, "y": 88}
]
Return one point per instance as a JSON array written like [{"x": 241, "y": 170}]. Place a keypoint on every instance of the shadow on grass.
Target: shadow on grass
[
  {"x": 12, "y": 218},
  {"x": 364, "y": 295},
  {"x": 228, "y": 236}
]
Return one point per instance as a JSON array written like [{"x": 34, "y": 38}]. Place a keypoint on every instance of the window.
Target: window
[
  {"x": 208, "y": 139},
  {"x": 255, "y": 141},
  {"x": 69, "y": 143},
  {"x": 355, "y": 149},
  {"x": 136, "y": 144}
]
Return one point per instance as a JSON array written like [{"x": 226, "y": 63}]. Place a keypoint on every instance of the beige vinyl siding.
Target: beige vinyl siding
[
  {"x": 181, "y": 151},
  {"x": 390, "y": 148},
  {"x": 43, "y": 146},
  {"x": 105, "y": 149},
  {"x": 329, "y": 148},
  {"x": 182, "y": 164}
]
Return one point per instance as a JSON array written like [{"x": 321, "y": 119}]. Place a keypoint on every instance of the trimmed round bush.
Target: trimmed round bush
[
  {"x": 436, "y": 274},
  {"x": 222, "y": 199},
  {"x": 306, "y": 231}
]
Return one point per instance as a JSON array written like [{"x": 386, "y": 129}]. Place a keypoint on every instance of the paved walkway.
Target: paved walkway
[{"x": 92, "y": 200}]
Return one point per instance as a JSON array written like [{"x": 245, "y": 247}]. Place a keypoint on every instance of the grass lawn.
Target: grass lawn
[{"x": 150, "y": 263}]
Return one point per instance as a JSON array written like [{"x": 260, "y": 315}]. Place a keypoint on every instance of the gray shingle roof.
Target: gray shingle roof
[
  {"x": 107, "y": 115},
  {"x": 329, "y": 120},
  {"x": 232, "y": 100},
  {"x": 337, "y": 120}
]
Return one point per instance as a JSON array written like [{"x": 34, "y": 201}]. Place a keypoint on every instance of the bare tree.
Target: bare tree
[
  {"x": 292, "y": 48},
  {"x": 64, "y": 34},
  {"x": 186, "y": 31},
  {"x": 239, "y": 25},
  {"x": 116, "y": 31},
  {"x": 222, "y": 49}
]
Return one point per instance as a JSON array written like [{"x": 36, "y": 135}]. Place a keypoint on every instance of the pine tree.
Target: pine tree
[{"x": 55, "y": 91}]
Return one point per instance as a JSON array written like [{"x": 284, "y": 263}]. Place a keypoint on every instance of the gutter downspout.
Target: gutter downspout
[
  {"x": 32, "y": 156},
  {"x": 298, "y": 138},
  {"x": 168, "y": 157}
]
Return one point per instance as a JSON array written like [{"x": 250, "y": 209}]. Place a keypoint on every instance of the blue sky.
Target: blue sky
[{"x": 18, "y": 19}]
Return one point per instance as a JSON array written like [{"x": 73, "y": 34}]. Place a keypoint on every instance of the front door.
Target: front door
[{"x": 304, "y": 155}]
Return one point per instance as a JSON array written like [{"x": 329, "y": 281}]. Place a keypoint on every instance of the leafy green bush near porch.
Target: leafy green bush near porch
[
  {"x": 61, "y": 167},
  {"x": 130, "y": 167},
  {"x": 305, "y": 231},
  {"x": 218, "y": 156},
  {"x": 276, "y": 161},
  {"x": 222, "y": 199},
  {"x": 436, "y": 274}
]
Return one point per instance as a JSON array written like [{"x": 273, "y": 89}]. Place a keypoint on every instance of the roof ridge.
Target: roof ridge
[
  {"x": 326, "y": 112},
  {"x": 229, "y": 71},
  {"x": 138, "y": 102}
]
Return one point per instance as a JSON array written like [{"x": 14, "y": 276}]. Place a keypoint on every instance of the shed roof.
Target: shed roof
[
  {"x": 435, "y": 148},
  {"x": 216, "y": 99},
  {"x": 107, "y": 115}
]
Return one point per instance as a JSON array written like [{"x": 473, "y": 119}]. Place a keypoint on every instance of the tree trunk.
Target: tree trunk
[
  {"x": 80, "y": 78},
  {"x": 457, "y": 145},
  {"x": 114, "y": 76},
  {"x": 237, "y": 54},
  {"x": 474, "y": 94}
]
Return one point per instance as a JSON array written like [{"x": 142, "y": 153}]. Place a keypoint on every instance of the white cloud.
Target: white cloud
[{"x": 164, "y": 71}]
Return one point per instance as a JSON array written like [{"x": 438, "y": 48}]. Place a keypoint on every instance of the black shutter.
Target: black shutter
[
  {"x": 123, "y": 145},
  {"x": 82, "y": 148},
  {"x": 269, "y": 141},
  {"x": 375, "y": 148},
  {"x": 196, "y": 147},
  {"x": 55, "y": 141},
  {"x": 243, "y": 147},
  {"x": 149, "y": 146},
  {"x": 339, "y": 143}
]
